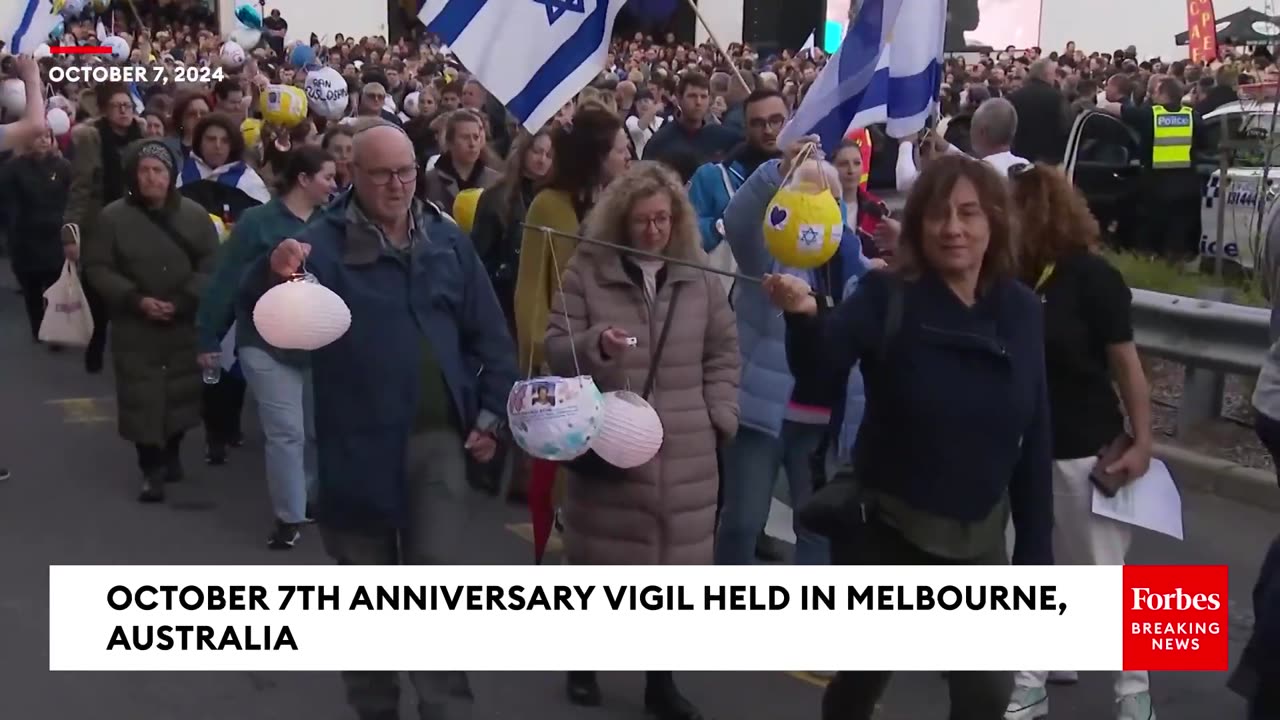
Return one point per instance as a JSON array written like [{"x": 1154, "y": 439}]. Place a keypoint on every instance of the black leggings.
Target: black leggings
[
  {"x": 33, "y": 285},
  {"x": 154, "y": 458},
  {"x": 223, "y": 404}
]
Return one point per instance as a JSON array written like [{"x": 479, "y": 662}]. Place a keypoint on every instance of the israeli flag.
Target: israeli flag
[
  {"x": 533, "y": 55},
  {"x": 24, "y": 24},
  {"x": 887, "y": 70}
]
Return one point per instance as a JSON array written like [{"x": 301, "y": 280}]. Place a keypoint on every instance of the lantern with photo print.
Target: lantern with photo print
[
  {"x": 232, "y": 54},
  {"x": 283, "y": 105},
  {"x": 301, "y": 314},
  {"x": 802, "y": 226},
  {"x": 555, "y": 418},
  {"x": 631, "y": 433}
]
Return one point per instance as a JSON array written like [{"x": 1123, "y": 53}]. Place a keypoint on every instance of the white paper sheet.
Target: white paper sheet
[
  {"x": 1152, "y": 502},
  {"x": 227, "y": 358}
]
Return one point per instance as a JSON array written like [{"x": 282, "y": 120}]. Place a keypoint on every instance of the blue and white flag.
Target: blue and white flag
[
  {"x": 237, "y": 175},
  {"x": 887, "y": 70},
  {"x": 533, "y": 55},
  {"x": 24, "y": 24}
]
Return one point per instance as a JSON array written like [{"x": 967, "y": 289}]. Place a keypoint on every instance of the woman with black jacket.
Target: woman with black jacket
[
  {"x": 33, "y": 189},
  {"x": 955, "y": 436},
  {"x": 496, "y": 231}
]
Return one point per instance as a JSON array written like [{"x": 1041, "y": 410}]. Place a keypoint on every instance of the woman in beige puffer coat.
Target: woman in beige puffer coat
[{"x": 664, "y": 511}]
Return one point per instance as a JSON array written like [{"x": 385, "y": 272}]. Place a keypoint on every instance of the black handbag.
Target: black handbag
[
  {"x": 840, "y": 505},
  {"x": 590, "y": 464}
]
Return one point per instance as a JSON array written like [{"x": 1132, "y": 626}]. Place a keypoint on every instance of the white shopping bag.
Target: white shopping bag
[{"x": 67, "y": 320}]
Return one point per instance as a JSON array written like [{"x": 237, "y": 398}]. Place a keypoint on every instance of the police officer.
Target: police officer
[{"x": 1171, "y": 135}]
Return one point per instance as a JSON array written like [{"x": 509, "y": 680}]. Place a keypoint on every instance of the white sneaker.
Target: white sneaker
[
  {"x": 1064, "y": 677},
  {"x": 1135, "y": 707},
  {"x": 1027, "y": 703}
]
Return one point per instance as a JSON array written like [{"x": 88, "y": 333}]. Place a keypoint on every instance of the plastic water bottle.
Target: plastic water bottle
[{"x": 213, "y": 375}]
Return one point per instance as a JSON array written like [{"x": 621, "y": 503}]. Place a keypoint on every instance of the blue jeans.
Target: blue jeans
[
  {"x": 283, "y": 395},
  {"x": 752, "y": 462}
]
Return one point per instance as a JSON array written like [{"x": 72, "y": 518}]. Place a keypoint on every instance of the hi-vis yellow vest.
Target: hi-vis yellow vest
[{"x": 1171, "y": 135}]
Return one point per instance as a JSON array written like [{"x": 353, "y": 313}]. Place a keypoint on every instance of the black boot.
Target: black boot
[
  {"x": 216, "y": 453},
  {"x": 173, "y": 472},
  {"x": 152, "y": 487},
  {"x": 663, "y": 700},
  {"x": 583, "y": 689}
]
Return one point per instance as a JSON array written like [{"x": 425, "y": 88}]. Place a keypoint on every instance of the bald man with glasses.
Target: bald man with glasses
[{"x": 419, "y": 381}]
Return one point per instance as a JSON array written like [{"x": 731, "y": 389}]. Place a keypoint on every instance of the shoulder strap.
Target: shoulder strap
[
  {"x": 178, "y": 238},
  {"x": 662, "y": 342},
  {"x": 728, "y": 182},
  {"x": 892, "y": 318}
]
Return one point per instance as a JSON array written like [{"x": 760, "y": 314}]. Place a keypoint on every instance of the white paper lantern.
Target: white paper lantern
[
  {"x": 13, "y": 96},
  {"x": 631, "y": 433},
  {"x": 327, "y": 94},
  {"x": 119, "y": 47},
  {"x": 232, "y": 54},
  {"x": 555, "y": 418},
  {"x": 412, "y": 106},
  {"x": 246, "y": 37},
  {"x": 42, "y": 51},
  {"x": 59, "y": 121},
  {"x": 301, "y": 314}
]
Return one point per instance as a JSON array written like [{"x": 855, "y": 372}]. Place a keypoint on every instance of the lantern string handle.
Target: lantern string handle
[
  {"x": 644, "y": 253},
  {"x": 533, "y": 310},
  {"x": 564, "y": 309},
  {"x": 807, "y": 152}
]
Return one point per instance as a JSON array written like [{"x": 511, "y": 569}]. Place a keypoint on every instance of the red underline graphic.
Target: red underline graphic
[{"x": 80, "y": 50}]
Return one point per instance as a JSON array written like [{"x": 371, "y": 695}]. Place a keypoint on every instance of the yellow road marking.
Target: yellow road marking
[
  {"x": 85, "y": 410},
  {"x": 525, "y": 532}
]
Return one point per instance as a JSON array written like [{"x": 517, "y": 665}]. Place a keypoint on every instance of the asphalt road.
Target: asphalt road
[{"x": 71, "y": 501}]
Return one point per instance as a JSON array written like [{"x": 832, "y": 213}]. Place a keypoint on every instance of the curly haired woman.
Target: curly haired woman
[{"x": 610, "y": 320}]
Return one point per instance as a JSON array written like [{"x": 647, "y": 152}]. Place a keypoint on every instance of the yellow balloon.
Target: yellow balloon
[
  {"x": 283, "y": 105},
  {"x": 803, "y": 227},
  {"x": 464, "y": 208},
  {"x": 251, "y": 131}
]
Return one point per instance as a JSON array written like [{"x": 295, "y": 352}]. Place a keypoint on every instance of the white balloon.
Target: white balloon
[
  {"x": 232, "y": 54},
  {"x": 246, "y": 37},
  {"x": 42, "y": 51},
  {"x": 13, "y": 96},
  {"x": 301, "y": 314},
  {"x": 119, "y": 47},
  {"x": 327, "y": 94},
  {"x": 411, "y": 104},
  {"x": 555, "y": 418},
  {"x": 59, "y": 121},
  {"x": 631, "y": 433}
]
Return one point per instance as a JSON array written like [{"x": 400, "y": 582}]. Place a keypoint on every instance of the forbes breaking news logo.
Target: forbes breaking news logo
[{"x": 1176, "y": 617}]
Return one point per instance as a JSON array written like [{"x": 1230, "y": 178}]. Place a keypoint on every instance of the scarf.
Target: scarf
[
  {"x": 113, "y": 144},
  {"x": 445, "y": 165}
]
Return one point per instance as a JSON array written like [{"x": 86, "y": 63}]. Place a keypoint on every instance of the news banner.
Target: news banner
[{"x": 313, "y": 618}]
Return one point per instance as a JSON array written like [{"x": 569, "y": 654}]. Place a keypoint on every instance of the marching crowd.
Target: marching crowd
[{"x": 970, "y": 360}]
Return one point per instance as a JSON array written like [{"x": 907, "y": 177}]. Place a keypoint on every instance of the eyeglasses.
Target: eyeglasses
[
  {"x": 382, "y": 176},
  {"x": 773, "y": 121},
  {"x": 659, "y": 221},
  {"x": 123, "y": 105}
]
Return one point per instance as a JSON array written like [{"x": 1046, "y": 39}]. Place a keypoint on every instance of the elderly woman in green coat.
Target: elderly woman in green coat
[{"x": 150, "y": 257}]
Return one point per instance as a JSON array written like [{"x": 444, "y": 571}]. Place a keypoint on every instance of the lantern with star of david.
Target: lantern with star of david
[{"x": 802, "y": 226}]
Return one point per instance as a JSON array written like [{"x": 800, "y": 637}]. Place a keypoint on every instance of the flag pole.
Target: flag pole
[{"x": 693, "y": 5}]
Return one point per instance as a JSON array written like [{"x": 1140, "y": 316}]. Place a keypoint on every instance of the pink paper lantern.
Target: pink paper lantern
[
  {"x": 631, "y": 434},
  {"x": 301, "y": 314}
]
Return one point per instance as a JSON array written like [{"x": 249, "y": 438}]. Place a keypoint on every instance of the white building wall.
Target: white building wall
[
  {"x": 725, "y": 19},
  {"x": 1107, "y": 25},
  {"x": 325, "y": 18}
]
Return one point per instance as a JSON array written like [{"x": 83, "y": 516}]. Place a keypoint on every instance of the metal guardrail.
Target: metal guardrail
[
  {"x": 1211, "y": 339},
  {"x": 1201, "y": 333}
]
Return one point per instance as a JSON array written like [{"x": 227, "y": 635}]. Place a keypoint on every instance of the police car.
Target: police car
[{"x": 1103, "y": 159}]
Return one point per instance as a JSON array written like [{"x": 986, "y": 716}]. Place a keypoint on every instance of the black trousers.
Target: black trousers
[
  {"x": 33, "y": 284},
  {"x": 98, "y": 309},
  {"x": 853, "y": 695},
  {"x": 1170, "y": 223},
  {"x": 223, "y": 404},
  {"x": 157, "y": 458}
]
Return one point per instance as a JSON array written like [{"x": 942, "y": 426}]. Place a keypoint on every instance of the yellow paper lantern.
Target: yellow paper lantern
[
  {"x": 803, "y": 227},
  {"x": 464, "y": 208},
  {"x": 251, "y": 131},
  {"x": 283, "y": 105}
]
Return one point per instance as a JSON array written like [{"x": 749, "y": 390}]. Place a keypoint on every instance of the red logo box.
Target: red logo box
[{"x": 1175, "y": 617}]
